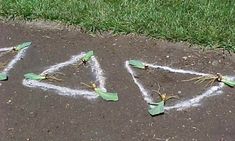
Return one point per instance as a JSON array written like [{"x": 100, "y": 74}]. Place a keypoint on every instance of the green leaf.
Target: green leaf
[
  {"x": 33, "y": 76},
  {"x": 87, "y": 56},
  {"x": 137, "y": 64},
  {"x": 106, "y": 96},
  {"x": 22, "y": 46},
  {"x": 156, "y": 108},
  {"x": 228, "y": 82},
  {"x": 3, "y": 77}
]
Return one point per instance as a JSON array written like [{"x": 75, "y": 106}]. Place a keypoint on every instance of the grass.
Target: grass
[{"x": 210, "y": 23}]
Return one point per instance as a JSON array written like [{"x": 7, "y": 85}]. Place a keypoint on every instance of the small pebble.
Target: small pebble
[
  {"x": 185, "y": 57},
  {"x": 9, "y": 102},
  {"x": 215, "y": 63}
]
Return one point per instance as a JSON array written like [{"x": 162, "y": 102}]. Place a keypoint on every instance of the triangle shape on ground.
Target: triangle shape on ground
[
  {"x": 75, "y": 90},
  {"x": 20, "y": 51},
  {"x": 182, "y": 104}
]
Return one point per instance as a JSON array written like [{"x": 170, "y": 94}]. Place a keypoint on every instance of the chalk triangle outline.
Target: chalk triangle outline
[
  {"x": 66, "y": 91},
  {"x": 20, "y": 54},
  {"x": 185, "y": 104}
]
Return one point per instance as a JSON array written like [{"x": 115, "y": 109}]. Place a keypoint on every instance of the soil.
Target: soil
[
  {"x": 173, "y": 84},
  {"x": 29, "y": 114},
  {"x": 5, "y": 58},
  {"x": 72, "y": 76}
]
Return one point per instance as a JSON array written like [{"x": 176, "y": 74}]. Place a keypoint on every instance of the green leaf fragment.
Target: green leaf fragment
[
  {"x": 106, "y": 95},
  {"x": 3, "y": 77},
  {"x": 87, "y": 56},
  {"x": 228, "y": 82},
  {"x": 156, "y": 108},
  {"x": 22, "y": 46},
  {"x": 137, "y": 64},
  {"x": 32, "y": 76}
]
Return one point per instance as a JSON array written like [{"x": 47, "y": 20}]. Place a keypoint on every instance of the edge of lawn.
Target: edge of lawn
[{"x": 60, "y": 25}]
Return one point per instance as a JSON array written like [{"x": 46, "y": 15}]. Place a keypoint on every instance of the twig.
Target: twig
[
  {"x": 2, "y": 65},
  {"x": 51, "y": 78},
  {"x": 164, "y": 96},
  {"x": 81, "y": 63},
  {"x": 5, "y": 53},
  {"x": 91, "y": 86},
  {"x": 210, "y": 78}
]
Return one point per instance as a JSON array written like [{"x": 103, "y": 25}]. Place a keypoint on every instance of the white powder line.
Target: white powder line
[
  {"x": 6, "y": 49},
  {"x": 144, "y": 92},
  {"x": 64, "y": 91},
  {"x": 193, "y": 102},
  {"x": 215, "y": 90},
  {"x": 18, "y": 57},
  {"x": 3, "y": 53},
  {"x": 57, "y": 67},
  {"x": 95, "y": 67},
  {"x": 175, "y": 70}
]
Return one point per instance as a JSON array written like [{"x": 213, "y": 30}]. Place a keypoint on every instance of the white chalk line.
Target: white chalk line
[
  {"x": 144, "y": 92},
  {"x": 17, "y": 57},
  {"x": 64, "y": 91},
  {"x": 12, "y": 63},
  {"x": 193, "y": 102},
  {"x": 6, "y": 49},
  {"x": 96, "y": 69},
  {"x": 59, "y": 66},
  {"x": 214, "y": 90},
  {"x": 175, "y": 70}
]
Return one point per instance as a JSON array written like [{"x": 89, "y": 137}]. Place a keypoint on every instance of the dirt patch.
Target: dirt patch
[
  {"x": 171, "y": 84},
  {"x": 41, "y": 24},
  {"x": 36, "y": 114},
  {"x": 6, "y": 57},
  {"x": 72, "y": 76}
]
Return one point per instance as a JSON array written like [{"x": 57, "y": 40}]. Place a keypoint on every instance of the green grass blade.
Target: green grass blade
[
  {"x": 22, "y": 46},
  {"x": 87, "y": 56},
  {"x": 156, "y": 108},
  {"x": 106, "y": 96},
  {"x": 32, "y": 76},
  {"x": 137, "y": 64},
  {"x": 230, "y": 83},
  {"x": 3, "y": 77}
]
